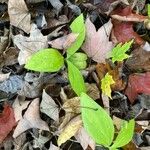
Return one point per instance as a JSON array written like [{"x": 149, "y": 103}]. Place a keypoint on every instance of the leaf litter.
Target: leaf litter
[{"x": 39, "y": 109}]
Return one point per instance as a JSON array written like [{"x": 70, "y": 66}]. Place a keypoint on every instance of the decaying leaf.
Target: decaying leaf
[
  {"x": 72, "y": 108},
  {"x": 13, "y": 84},
  {"x": 70, "y": 130},
  {"x": 93, "y": 91},
  {"x": 19, "y": 105},
  {"x": 31, "y": 119},
  {"x": 123, "y": 32},
  {"x": 139, "y": 59},
  {"x": 126, "y": 14},
  {"x": 115, "y": 72},
  {"x": 39, "y": 141},
  {"x": 30, "y": 45},
  {"x": 105, "y": 85},
  {"x": 108, "y": 6},
  {"x": 4, "y": 40},
  {"x": 138, "y": 83},
  {"x": 64, "y": 42},
  {"x": 49, "y": 107},
  {"x": 53, "y": 147},
  {"x": 56, "y": 4},
  {"x": 84, "y": 139},
  {"x": 97, "y": 44},
  {"x": 19, "y": 15},
  {"x": 7, "y": 122}
]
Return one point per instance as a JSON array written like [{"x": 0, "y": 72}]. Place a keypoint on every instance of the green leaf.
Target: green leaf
[
  {"x": 106, "y": 82},
  {"x": 149, "y": 10},
  {"x": 125, "y": 135},
  {"x": 96, "y": 121},
  {"x": 119, "y": 52},
  {"x": 76, "y": 79},
  {"x": 79, "y": 60},
  {"x": 46, "y": 60},
  {"x": 77, "y": 26}
]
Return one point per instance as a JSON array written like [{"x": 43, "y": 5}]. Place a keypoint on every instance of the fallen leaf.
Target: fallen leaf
[
  {"x": 57, "y": 5},
  {"x": 123, "y": 32},
  {"x": 49, "y": 107},
  {"x": 19, "y": 105},
  {"x": 30, "y": 45},
  {"x": 4, "y": 40},
  {"x": 105, "y": 85},
  {"x": 72, "y": 108},
  {"x": 53, "y": 147},
  {"x": 19, "y": 15},
  {"x": 137, "y": 84},
  {"x": 7, "y": 122},
  {"x": 84, "y": 139},
  {"x": 139, "y": 60},
  {"x": 64, "y": 42},
  {"x": 13, "y": 84},
  {"x": 108, "y": 6},
  {"x": 70, "y": 130},
  {"x": 31, "y": 119},
  {"x": 115, "y": 72},
  {"x": 93, "y": 91},
  {"x": 4, "y": 77},
  {"x": 126, "y": 14},
  {"x": 97, "y": 44},
  {"x": 39, "y": 141}
]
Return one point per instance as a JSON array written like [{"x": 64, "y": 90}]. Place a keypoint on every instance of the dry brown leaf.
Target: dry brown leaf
[
  {"x": 49, "y": 107},
  {"x": 31, "y": 119},
  {"x": 102, "y": 69},
  {"x": 93, "y": 91},
  {"x": 19, "y": 15},
  {"x": 72, "y": 108},
  {"x": 64, "y": 42},
  {"x": 70, "y": 130},
  {"x": 139, "y": 59},
  {"x": 30, "y": 45},
  {"x": 84, "y": 139},
  {"x": 4, "y": 77},
  {"x": 4, "y": 40},
  {"x": 19, "y": 105},
  {"x": 97, "y": 44}
]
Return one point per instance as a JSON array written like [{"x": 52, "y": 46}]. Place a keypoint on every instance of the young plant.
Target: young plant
[
  {"x": 119, "y": 52},
  {"x": 100, "y": 126},
  {"x": 51, "y": 60}
]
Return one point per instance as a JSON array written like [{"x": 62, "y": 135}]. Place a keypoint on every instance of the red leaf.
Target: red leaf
[
  {"x": 138, "y": 83},
  {"x": 123, "y": 32},
  {"x": 126, "y": 14},
  {"x": 7, "y": 122}
]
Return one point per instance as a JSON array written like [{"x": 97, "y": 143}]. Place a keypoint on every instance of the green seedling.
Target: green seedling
[
  {"x": 100, "y": 126},
  {"x": 51, "y": 60}
]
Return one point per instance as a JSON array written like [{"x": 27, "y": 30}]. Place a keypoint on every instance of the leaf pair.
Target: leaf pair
[
  {"x": 50, "y": 60},
  {"x": 100, "y": 126}
]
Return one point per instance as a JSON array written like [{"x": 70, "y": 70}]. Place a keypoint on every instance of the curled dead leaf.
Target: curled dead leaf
[{"x": 31, "y": 119}]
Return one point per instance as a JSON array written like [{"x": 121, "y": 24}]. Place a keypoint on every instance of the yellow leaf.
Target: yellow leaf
[
  {"x": 106, "y": 82},
  {"x": 70, "y": 130}
]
